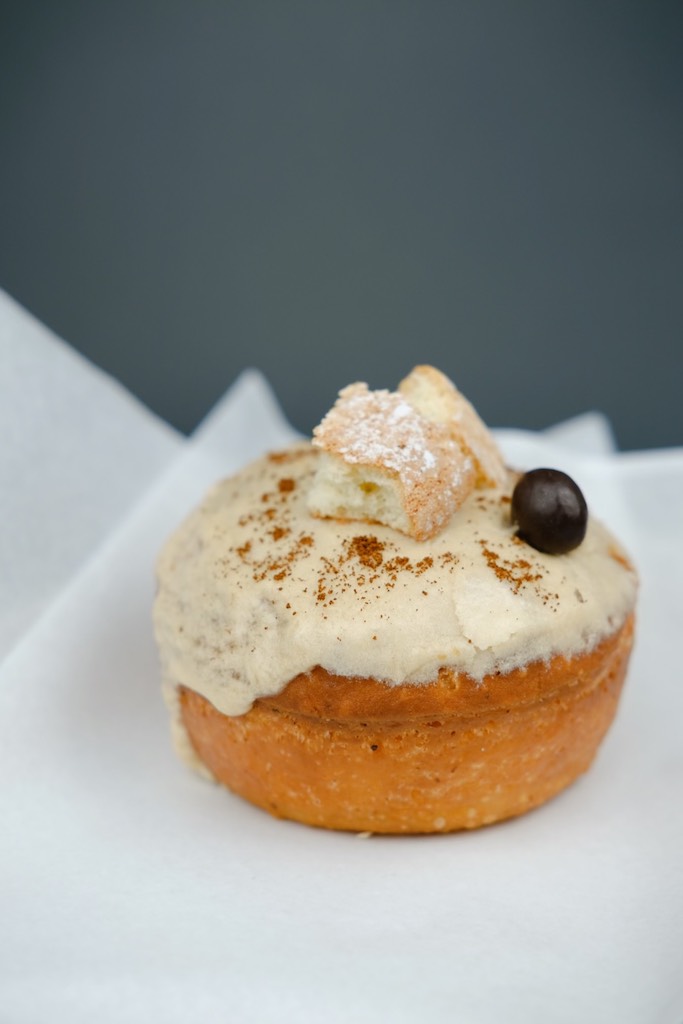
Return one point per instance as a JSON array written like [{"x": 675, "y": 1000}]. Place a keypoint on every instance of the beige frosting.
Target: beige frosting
[{"x": 253, "y": 591}]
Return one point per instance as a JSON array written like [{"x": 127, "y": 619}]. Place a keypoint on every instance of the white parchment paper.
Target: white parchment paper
[
  {"x": 131, "y": 890},
  {"x": 76, "y": 452}
]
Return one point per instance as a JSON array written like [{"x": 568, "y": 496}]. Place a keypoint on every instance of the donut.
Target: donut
[{"x": 387, "y": 676}]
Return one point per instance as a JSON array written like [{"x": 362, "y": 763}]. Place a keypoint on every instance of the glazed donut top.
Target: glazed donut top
[{"x": 254, "y": 591}]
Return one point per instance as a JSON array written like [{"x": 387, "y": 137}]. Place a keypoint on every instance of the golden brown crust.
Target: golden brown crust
[{"x": 357, "y": 754}]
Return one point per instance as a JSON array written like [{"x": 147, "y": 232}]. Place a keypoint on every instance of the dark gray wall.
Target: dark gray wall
[{"x": 336, "y": 191}]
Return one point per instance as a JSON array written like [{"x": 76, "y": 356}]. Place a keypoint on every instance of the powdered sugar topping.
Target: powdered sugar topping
[{"x": 380, "y": 428}]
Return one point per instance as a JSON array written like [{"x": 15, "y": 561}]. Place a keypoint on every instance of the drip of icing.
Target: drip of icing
[{"x": 253, "y": 591}]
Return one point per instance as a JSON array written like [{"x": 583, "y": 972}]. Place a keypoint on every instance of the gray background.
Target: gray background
[{"x": 337, "y": 191}]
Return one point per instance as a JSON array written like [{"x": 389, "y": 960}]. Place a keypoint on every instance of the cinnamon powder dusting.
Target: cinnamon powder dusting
[
  {"x": 275, "y": 522},
  {"x": 364, "y": 565},
  {"x": 281, "y": 567},
  {"x": 368, "y": 551},
  {"x": 518, "y": 572}
]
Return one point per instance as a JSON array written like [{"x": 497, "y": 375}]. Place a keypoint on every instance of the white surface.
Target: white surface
[
  {"x": 76, "y": 452},
  {"x": 132, "y": 891}
]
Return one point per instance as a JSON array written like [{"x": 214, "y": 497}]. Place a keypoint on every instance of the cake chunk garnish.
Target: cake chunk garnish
[
  {"x": 434, "y": 395},
  {"x": 407, "y": 459}
]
